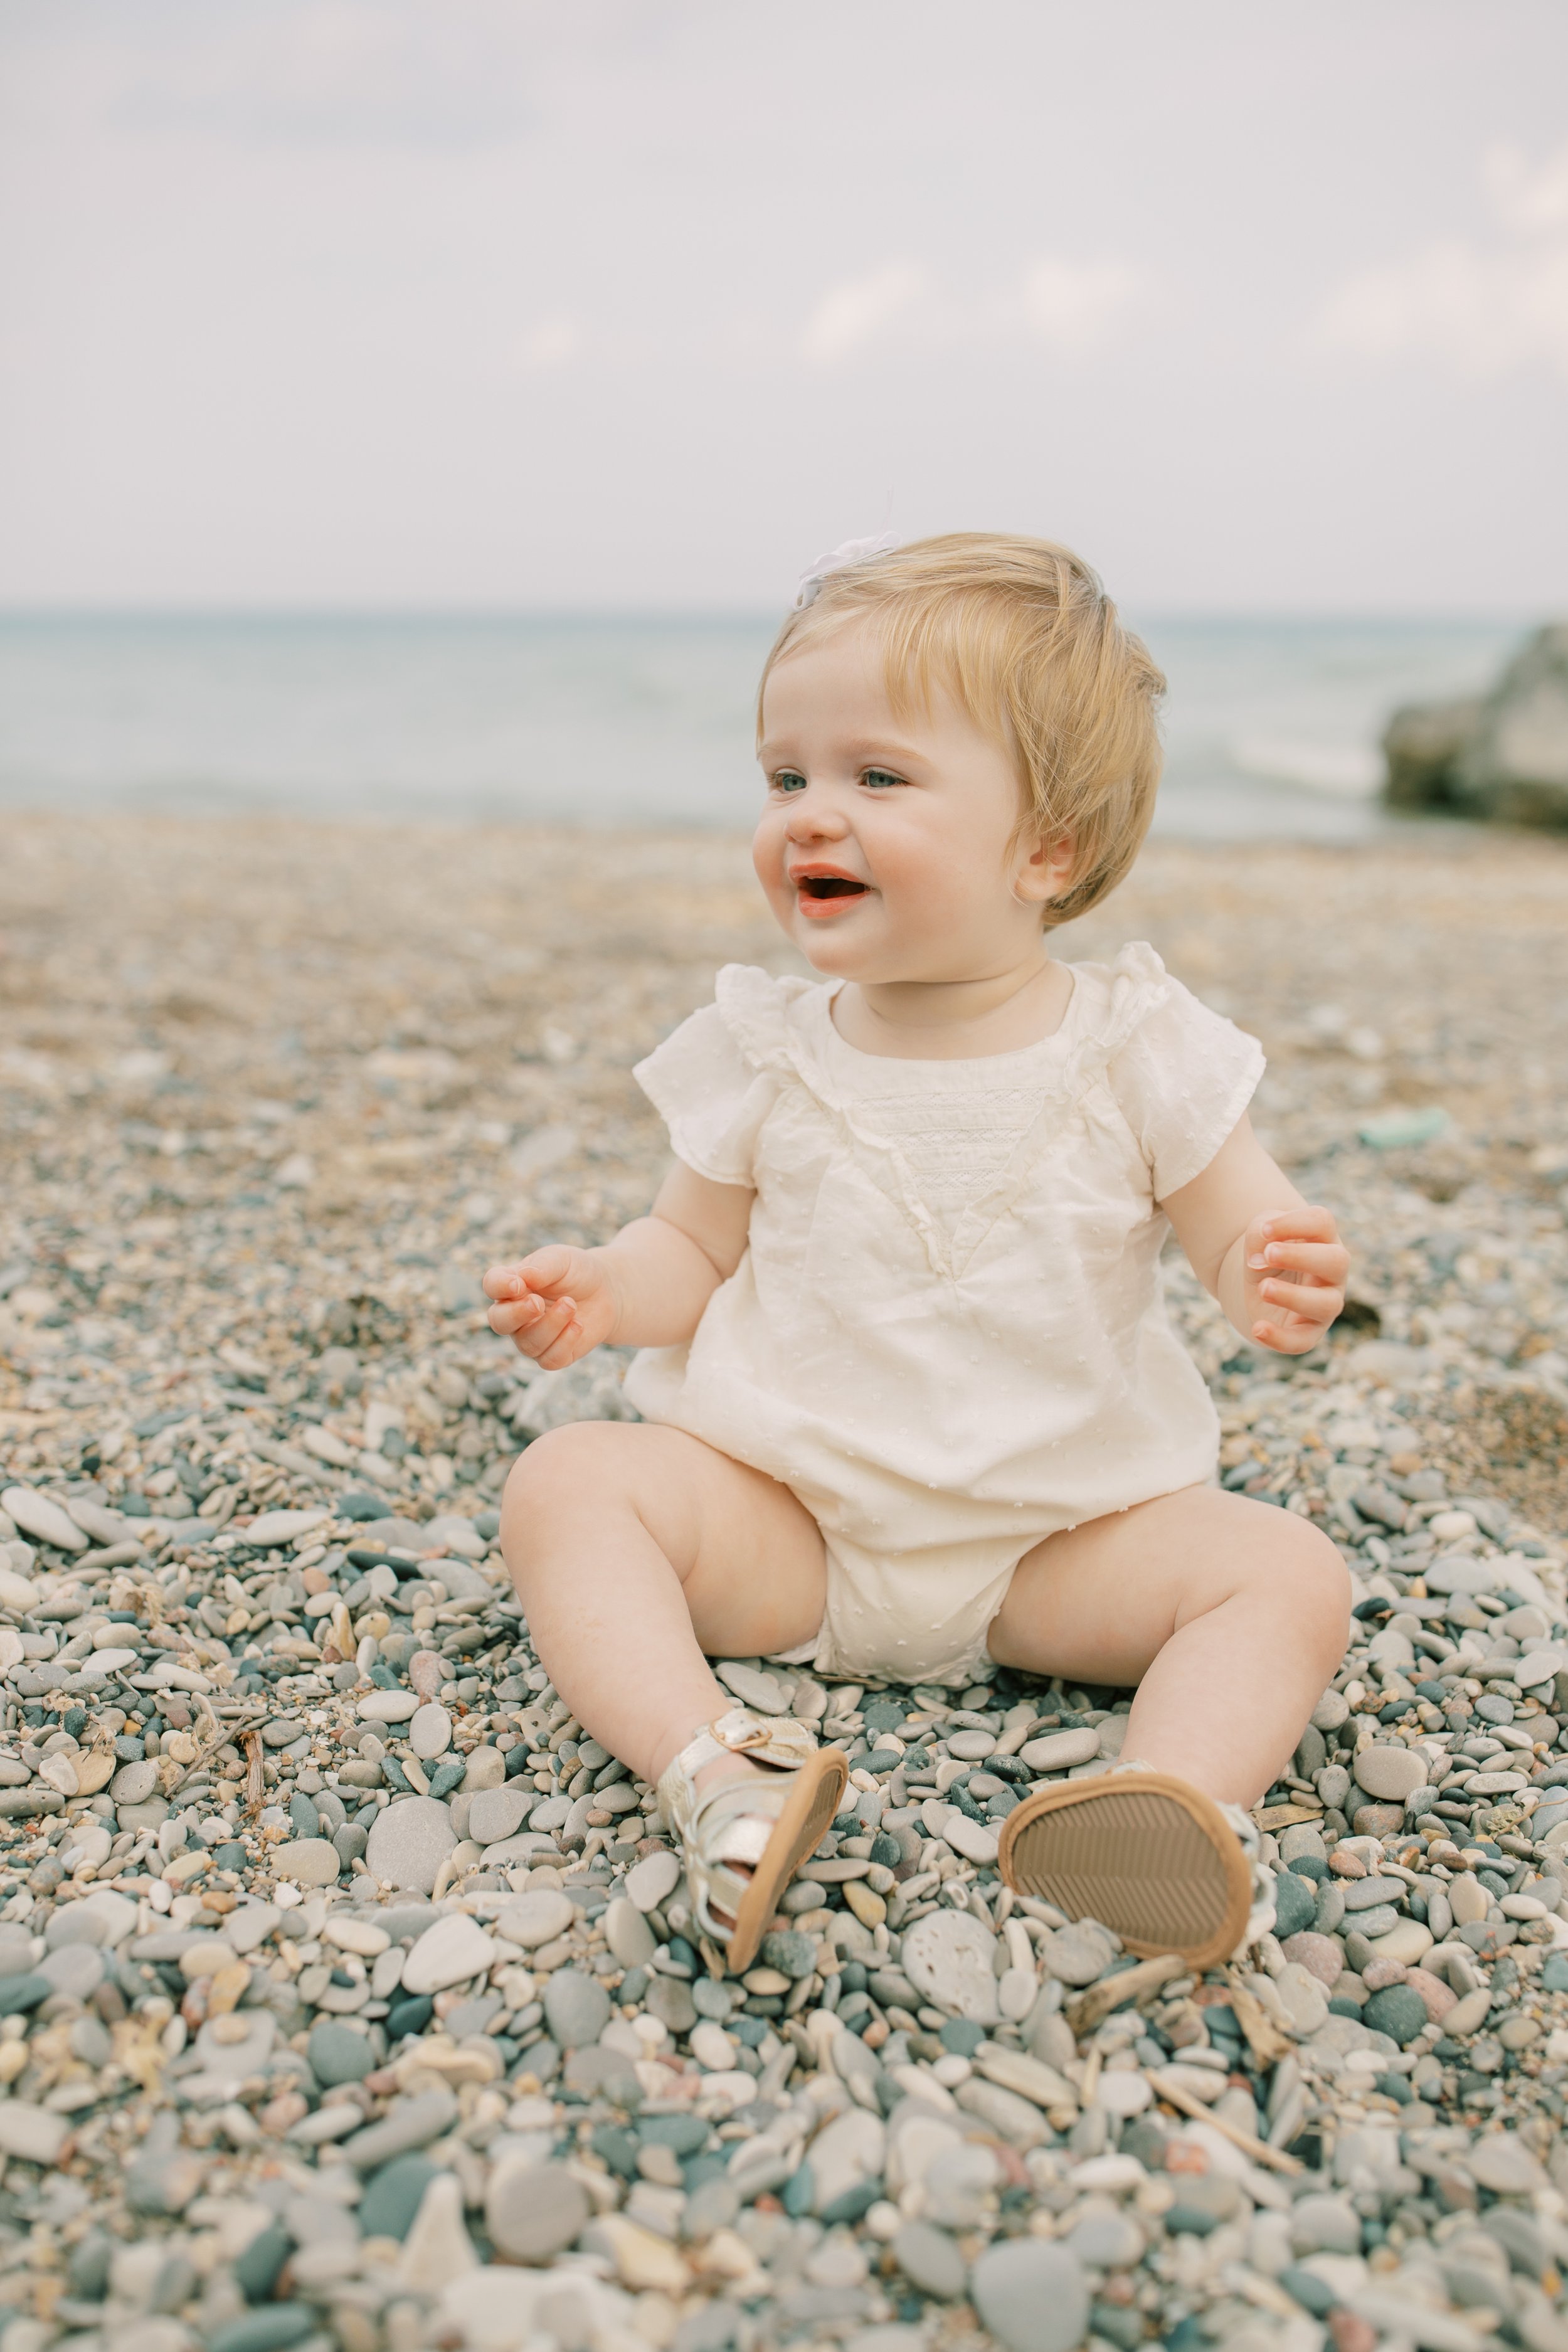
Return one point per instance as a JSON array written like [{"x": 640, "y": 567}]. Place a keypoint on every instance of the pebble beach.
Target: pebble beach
[{"x": 350, "y": 1994}]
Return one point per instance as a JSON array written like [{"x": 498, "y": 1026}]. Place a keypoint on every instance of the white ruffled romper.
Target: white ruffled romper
[{"x": 948, "y": 1335}]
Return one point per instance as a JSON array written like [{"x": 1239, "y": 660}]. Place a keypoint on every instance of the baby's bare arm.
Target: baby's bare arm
[
  {"x": 646, "y": 1288},
  {"x": 1276, "y": 1265}
]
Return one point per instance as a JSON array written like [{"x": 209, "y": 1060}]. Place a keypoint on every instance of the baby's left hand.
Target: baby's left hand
[{"x": 1295, "y": 1266}]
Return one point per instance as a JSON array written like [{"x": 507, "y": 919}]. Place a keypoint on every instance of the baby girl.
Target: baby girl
[{"x": 911, "y": 1404}]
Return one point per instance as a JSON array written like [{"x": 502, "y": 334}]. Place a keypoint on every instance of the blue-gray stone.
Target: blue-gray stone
[
  {"x": 393, "y": 2196},
  {"x": 1295, "y": 1905},
  {"x": 338, "y": 2054}
]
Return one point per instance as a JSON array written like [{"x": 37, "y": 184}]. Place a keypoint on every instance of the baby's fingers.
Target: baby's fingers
[
  {"x": 1303, "y": 1225},
  {"x": 1287, "y": 1340},
  {"x": 1329, "y": 1261},
  {"x": 545, "y": 1270},
  {"x": 1317, "y": 1303}
]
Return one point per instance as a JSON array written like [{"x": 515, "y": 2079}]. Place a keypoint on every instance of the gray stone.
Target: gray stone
[
  {"x": 534, "y": 2211},
  {"x": 577, "y": 2008},
  {"x": 497, "y": 1814},
  {"x": 237, "y": 2045},
  {"x": 308, "y": 1862},
  {"x": 1499, "y": 2163},
  {"x": 1075, "y": 1956},
  {"x": 1031, "y": 2296},
  {"x": 32, "y": 2133},
  {"x": 536, "y": 1919},
  {"x": 627, "y": 1934},
  {"x": 76, "y": 1969},
  {"x": 134, "y": 1782},
  {"x": 1388, "y": 1772},
  {"x": 949, "y": 1959},
  {"x": 669, "y": 1999},
  {"x": 410, "y": 2123},
  {"x": 16, "y": 1951},
  {"x": 930, "y": 2260},
  {"x": 1320, "y": 2224},
  {"x": 409, "y": 1842}
]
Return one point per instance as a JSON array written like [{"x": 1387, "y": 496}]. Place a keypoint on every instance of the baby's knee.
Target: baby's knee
[
  {"x": 1318, "y": 1587},
  {"x": 554, "y": 1474}
]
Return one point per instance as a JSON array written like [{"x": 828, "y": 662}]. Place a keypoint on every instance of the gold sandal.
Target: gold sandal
[
  {"x": 1166, "y": 1867},
  {"x": 769, "y": 1824}
]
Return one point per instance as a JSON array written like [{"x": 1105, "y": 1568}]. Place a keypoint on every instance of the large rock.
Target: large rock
[
  {"x": 1502, "y": 757},
  {"x": 1422, "y": 744},
  {"x": 1514, "y": 769}
]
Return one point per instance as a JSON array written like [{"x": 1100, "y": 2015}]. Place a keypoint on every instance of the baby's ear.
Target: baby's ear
[{"x": 1046, "y": 867}]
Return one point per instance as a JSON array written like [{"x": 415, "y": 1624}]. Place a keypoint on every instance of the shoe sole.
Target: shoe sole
[
  {"x": 816, "y": 1792},
  {"x": 1140, "y": 1851}
]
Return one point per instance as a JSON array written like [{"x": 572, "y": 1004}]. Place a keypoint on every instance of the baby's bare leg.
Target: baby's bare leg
[
  {"x": 1229, "y": 1614},
  {"x": 634, "y": 1550}
]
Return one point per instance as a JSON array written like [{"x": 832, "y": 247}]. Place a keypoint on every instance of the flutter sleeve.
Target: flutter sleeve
[
  {"x": 1182, "y": 1076},
  {"x": 709, "y": 1096}
]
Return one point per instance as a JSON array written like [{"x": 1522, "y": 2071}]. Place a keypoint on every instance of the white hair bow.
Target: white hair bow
[{"x": 842, "y": 558}]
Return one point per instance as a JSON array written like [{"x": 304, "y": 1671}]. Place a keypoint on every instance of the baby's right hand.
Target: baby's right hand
[{"x": 555, "y": 1306}]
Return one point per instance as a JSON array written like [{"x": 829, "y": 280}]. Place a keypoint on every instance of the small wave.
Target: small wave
[{"x": 1347, "y": 770}]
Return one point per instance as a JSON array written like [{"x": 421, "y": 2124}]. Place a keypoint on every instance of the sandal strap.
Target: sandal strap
[
  {"x": 779, "y": 1740},
  {"x": 719, "y": 1826}
]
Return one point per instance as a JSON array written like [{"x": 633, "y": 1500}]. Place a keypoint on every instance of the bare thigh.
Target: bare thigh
[
  {"x": 749, "y": 1558},
  {"x": 1099, "y": 1601}
]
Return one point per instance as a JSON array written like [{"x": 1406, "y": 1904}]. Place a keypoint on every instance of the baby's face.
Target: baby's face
[{"x": 888, "y": 845}]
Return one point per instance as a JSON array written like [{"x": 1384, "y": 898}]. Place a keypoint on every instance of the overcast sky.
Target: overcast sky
[{"x": 628, "y": 303}]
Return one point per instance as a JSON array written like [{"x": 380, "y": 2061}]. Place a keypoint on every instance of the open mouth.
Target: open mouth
[{"x": 830, "y": 885}]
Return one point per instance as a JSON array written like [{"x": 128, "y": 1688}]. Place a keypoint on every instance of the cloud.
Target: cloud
[
  {"x": 1074, "y": 305},
  {"x": 550, "y": 343},
  {"x": 856, "y": 313},
  {"x": 1485, "y": 309},
  {"x": 1069, "y": 306}
]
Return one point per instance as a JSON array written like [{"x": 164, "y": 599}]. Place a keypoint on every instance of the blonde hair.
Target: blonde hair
[{"x": 1023, "y": 635}]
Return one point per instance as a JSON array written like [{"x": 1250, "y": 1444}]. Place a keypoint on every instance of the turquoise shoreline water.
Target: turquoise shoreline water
[{"x": 1271, "y": 725}]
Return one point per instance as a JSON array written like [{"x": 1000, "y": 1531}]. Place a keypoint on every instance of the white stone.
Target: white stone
[
  {"x": 1058, "y": 1751},
  {"x": 536, "y": 1919},
  {"x": 973, "y": 1839},
  {"x": 361, "y": 1936},
  {"x": 454, "y": 1949},
  {"x": 37, "y": 1514},
  {"x": 387, "y": 1706},
  {"x": 844, "y": 2153},
  {"x": 32, "y": 2133},
  {"x": 948, "y": 1958},
  {"x": 281, "y": 1527},
  {"x": 712, "y": 2047},
  {"x": 1123, "y": 2094},
  {"x": 429, "y": 1732},
  {"x": 1390, "y": 1773},
  {"x": 649, "y": 1881}
]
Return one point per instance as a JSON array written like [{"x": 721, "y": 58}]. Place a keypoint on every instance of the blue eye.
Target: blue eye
[
  {"x": 880, "y": 778},
  {"x": 788, "y": 780}
]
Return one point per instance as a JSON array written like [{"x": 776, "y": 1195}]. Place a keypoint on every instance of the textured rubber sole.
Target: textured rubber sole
[
  {"x": 813, "y": 1797},
  {"x": 1140, "y": 1851}
]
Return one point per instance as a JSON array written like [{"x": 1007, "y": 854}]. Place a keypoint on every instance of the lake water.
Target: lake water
[{"x": 1271, "y": 726}]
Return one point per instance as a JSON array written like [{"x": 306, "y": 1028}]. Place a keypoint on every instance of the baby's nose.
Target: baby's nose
[{"x": 815, "y": 819}]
